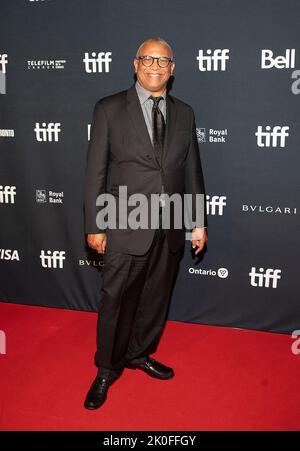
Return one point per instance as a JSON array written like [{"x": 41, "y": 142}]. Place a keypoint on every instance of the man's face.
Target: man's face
[{"x": 154, "y": 78}]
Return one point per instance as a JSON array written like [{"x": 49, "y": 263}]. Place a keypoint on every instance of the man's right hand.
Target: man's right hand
[{"x": 97, "y": 241}]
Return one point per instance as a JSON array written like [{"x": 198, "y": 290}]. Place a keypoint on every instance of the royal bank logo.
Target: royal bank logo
[
  {"x": 47, "y": 132},
  {"x": 212, "y": 135},
  {"x": 46, "y": 64},
  {"x": 215, "y": 205},
  {"x": 7, "y": 133},
  {"x": 52, "y": 259},
  {"x": 266, "y": 278},
  {"x": 7, "y": 194},
  {"x": 97, "y": 62},
  {"x": 43, "y": 196},
  {"x": 212, "y": 60},
  {"x": 201, "y": 135},
  {"x": 9, "y": 254},
  {"x": 223, "y": 273},
  {"x": 287, "y": 61},
  {"x": 272, "y": 137}
]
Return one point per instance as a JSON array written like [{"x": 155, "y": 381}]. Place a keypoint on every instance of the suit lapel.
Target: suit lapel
[{"x": 135, "y": 111}]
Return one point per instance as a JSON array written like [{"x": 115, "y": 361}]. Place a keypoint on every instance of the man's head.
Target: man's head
[{"x": 153, "y": 77}]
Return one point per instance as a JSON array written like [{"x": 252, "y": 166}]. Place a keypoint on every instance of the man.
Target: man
[{"x": 144, "y": 139}]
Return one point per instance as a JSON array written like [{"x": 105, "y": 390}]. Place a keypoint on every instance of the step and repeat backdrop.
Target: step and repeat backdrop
[{"x": 238, "y": 66}]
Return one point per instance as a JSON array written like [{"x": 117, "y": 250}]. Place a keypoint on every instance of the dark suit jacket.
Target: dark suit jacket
[{"x": 120, "y": 153}]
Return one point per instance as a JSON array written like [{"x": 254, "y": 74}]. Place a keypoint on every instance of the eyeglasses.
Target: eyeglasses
[{"x": 162, "y": 61}]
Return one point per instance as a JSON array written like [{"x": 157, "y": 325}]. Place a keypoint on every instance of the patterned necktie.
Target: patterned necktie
[{"x": 158, "y": 124}]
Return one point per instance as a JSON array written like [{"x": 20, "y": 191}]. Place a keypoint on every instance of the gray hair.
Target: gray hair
[{"x": 157, "y": 39}]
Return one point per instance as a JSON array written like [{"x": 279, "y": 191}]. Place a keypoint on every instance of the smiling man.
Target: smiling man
[{"x": 144, "y": 139}]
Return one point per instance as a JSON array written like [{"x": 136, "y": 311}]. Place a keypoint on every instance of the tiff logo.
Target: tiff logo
[
  {"x": 3, "y": 63},
  {"x": 213, "y": 61},
  {"x": 215, "y": 204},
  {"x": 53, "y": 259},
  {"x": 270, "y": 138},
  {"x": 96, "y": 62},
  {"x": 264, "y": 277},
  {"x": 47, "y": 132},
  {"x": 7, "y": 194},
  {"x": 280, "y": 62},
  {"x": 2, "y": 342}
]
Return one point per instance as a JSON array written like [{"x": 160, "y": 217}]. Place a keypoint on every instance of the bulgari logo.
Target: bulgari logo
[
  {"x": 269, "y": 209},
  {"x": 94, "y": 263}
]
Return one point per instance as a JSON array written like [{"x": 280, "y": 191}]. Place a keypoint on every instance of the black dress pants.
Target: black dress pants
[{"x": 135, "y": 297}]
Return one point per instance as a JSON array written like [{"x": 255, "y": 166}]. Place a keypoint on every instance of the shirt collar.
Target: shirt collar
[{"x": 143, "y": 94}]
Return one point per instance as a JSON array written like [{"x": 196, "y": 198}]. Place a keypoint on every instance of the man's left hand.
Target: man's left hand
[{"x": 199, "y": 237}]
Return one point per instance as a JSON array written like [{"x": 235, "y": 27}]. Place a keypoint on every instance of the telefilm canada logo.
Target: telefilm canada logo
[{"x": 50, "y": 64}]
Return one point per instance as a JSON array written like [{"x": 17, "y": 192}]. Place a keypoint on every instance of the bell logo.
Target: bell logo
[
  {"x": 272, "y": 137},
  {"x": 53, "y": 259},
  {"x": 262, "y": 278},
  {"x": 280, "y": 62}
]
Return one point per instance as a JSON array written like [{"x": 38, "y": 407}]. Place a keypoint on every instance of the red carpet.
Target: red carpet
[{"x": 226, "y": 379}]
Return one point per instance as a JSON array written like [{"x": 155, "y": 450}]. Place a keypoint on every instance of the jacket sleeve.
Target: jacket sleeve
[
  {"x": 96, "y": 167},
  {"x": 194, "y": 181}
]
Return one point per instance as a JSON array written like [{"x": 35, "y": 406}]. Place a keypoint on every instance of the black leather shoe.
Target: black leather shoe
[
  {"x": 97, "y": 393},
  {"x": 153, "y": 368}
]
